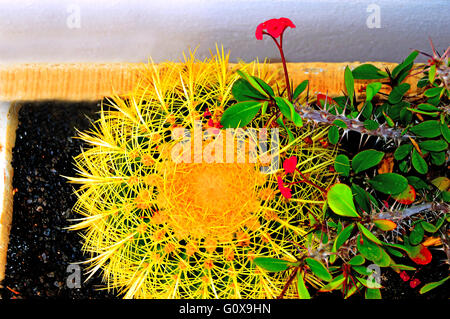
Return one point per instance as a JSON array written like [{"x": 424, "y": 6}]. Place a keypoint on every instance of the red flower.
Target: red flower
[
  {"x": 414, "y": 283},
  {"x": 404, "y": 276},
  {"x": 274, "y": 27},
  {"x": 290, "y": 164},
  {"x": 285, "y": 191}
]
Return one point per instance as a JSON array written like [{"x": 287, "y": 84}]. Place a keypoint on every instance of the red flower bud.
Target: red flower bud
[
  {"x": 404, "y": 276},
  {"x": 414, "y": 283}
]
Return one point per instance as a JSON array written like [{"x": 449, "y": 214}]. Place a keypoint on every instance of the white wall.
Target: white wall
[{"x": 119, "y": 30}]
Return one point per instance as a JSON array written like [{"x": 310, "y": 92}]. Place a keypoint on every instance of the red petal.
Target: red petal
[
  {"x": 290, "y": 164},
  {"x": 286, "y": 192},
  {"x": 259, "y": 31},
  {"x": 287, "y": 22}
]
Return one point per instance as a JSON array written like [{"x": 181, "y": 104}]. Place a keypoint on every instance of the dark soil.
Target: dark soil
[{"x": 40, "y": 249}]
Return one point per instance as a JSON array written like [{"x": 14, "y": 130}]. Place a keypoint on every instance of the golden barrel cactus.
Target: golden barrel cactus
[{"x": 189, "y": 225}]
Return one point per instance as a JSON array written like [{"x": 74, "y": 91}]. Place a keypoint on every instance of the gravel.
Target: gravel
[{"x": 41, "y": 249}]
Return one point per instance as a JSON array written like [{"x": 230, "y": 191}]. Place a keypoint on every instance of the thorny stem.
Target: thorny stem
[
  {"x": 417, "y": 209},
  {"x": 288, "y": 283},
  {"x": 322, "y": 116}
]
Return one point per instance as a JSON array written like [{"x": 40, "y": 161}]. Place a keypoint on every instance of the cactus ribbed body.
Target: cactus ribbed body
[{"x": 158, "y": 228}]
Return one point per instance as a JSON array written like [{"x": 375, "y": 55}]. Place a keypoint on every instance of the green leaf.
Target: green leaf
[
  {"x": 398, "y": 92},
  {"x": 427, "y": 107},
  {"x": 389, "y": 183},
  {"x": 319, "y": 269},
  {"x": 433, "y": 92},
  {"x": 364, "y": 200},
  {"x": 385, "y": 224},
  {"x": 367, "y": 110},
  {"x": 303, "y": 292},
  {"x": 402, "y": 151},
  {"x": 432, "y": 73},
  {"x": 389, "y": 121},
  {"x": 428, "y": 129},
  {"x": 333, "y": 134},
  {"x": 406, "y": 65},
  {"x": 349, "y": 84},
  {"x": 342, "y": 165},
  {"x": 367, "y": 233},
  {"x": 340, "y": 240},
  {"x": 405, "y": 116},
  {"x": 366, "y": 159},
  {"x": 243, "y": 91},
  {"x": 340, "y": 123},
  {"x": 368, "y": 72},
  {"x": 253, "y": 82},
  {"x": 287, "y": 109},
  {"x": 416, "y": 236},
  {"x": 362, "y": 270},
  {"x": 433, "y": 145},
  {"x": 417, "y": 183},
  {"x": 426, "y": 288},
  {"x": 371, "y": 125},
  {"x": 394, "y": 252},
  {"x": 372, "y": 294},
  {"x": 271, "y": 264},
  {"x": 334, "y": 284},
  {"x": 240, "y": 114},
  {"x": 419, "y": 163},
  {"x": 445, "y": 131},
  {"x": 385, "y": 259},
  {"x": 266, "y": 87},
  {"x": 372, "y": 89},
  {"x": 357, "y": 260},
  {"x": 299, "y": 89},
  {"x": 340, "y": 200},
  {"x": 373, "y": 284},
  {"x": 288, "y": 131},
  {"x": 368, "y": 248},
  {"x": 428, "y": 227},
  {"x": 265, "y": 104},
  {"x": 402, "y": 267},
  {"x": 437, "y": 158}
]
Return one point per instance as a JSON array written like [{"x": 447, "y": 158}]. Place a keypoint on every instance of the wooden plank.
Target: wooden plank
[{"x": 93, "y": 81}]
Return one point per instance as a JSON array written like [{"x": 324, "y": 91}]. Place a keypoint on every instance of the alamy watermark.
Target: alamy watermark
[
  {"x": 229, "y": 145},
  {"x": 74, "y": 278},
  {"x": 374, "y": 19},
  {"x": 73, "y": 20}
]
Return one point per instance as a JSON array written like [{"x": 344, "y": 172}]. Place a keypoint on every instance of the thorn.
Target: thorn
[
  {"x": 360, "y": 141},
  {"x": 367, "y": 139}
]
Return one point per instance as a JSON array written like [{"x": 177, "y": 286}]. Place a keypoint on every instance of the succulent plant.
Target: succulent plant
[{"x": 161, "y": 227}]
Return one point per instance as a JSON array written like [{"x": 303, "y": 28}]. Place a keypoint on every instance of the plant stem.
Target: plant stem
[
  {"x": 283, "y": 60},
  {"x": 288, "y": 283}
]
